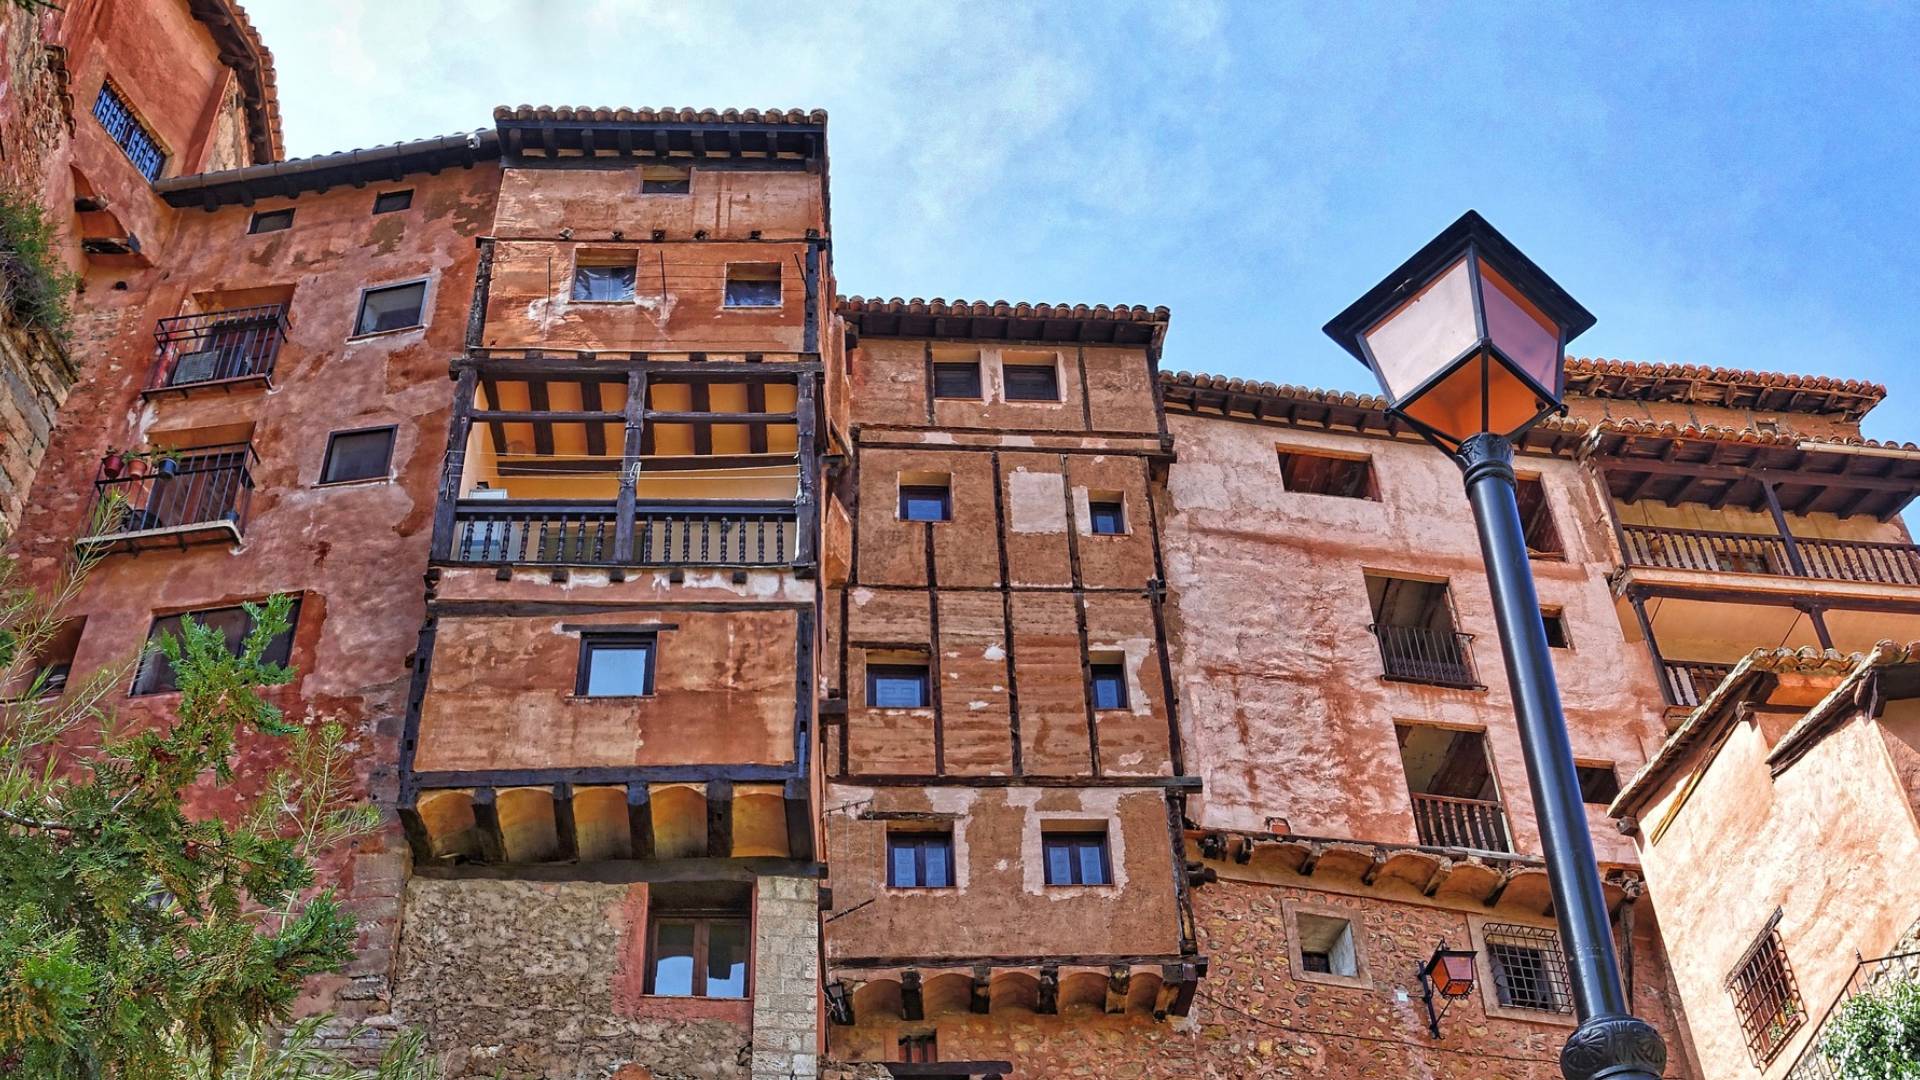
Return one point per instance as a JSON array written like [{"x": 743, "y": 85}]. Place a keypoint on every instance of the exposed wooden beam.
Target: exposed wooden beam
[
  {"x": 911, "y": 1006},
  {"x": 639, "y": 821},
  {"x": 486, "y": 823},
  {"x": 564, "y": 830},
  {"x": 720, "y": 819},
  {"x": 757, "y": 402},
  {"x": 590, "y": 400},
  {"x": 495, "y": 428},
  {"x": 701, "y": 402},
  {"x": 542, "y": 432},
  {"x": 1119, "y": 980}
]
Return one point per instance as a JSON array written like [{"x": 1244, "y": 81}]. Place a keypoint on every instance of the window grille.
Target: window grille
[
  {"x": 1529, "y": 971},
  {"x": 140, "y": 146},
  {"x": 1766, "y": 996}
]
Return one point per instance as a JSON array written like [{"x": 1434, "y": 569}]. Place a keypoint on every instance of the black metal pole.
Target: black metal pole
[{"x": 1610, "y": 1043}]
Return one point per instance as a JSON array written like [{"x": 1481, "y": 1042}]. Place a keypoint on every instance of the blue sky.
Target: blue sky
[{"x": 1720, "y": 184}]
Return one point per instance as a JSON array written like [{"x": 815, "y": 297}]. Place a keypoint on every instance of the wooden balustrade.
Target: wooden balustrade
[
  {"x": 588, "y": 534},
  {"x": 1690, "y": 681},
  {"x": 1759, "y": 553},
  {"x": 1444, "y": 821}
]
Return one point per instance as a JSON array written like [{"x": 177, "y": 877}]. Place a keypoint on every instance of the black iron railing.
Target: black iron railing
[
  {"x": 217, "y": 346},
  {"x": 1419, "y": 654},
  {"x": 1760, "y": 553},
  {"x": 1444, "y": 821},
  {"x": 1867, "y": 975},
  {"x": 666, "y": 533},
  {"x": 161, "y": 496},
  {"x": 1690, "y": 681}
]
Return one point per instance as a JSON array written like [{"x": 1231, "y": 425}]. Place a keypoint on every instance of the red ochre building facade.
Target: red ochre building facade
[{"x": 767, "y": 683}]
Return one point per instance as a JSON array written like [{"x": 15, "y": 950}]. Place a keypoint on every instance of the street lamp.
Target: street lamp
[{"x": 1468, "y": 339}]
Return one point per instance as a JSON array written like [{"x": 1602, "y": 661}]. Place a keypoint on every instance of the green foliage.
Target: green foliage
[
  {"x": 1876, "y": 1035},
  {"x": 35, "y": 286},
  {"x": 140, "y": 940}
]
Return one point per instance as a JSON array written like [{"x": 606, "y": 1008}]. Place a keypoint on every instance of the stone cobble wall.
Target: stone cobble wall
[
  {"x": 35, "y": 375},
  {"x": 786, "y": 979},
  {"x": 35, "y": 116}
]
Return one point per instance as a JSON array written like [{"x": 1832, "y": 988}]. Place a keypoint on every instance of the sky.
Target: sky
[{"x": 1730, "y": 185}]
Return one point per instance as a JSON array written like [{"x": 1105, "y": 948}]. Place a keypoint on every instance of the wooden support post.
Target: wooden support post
[
  {"x": 1817, "y": 615},
  {"x": 450, "y": 466},
  {"x": 720, "y": 819},
  {"x": 980, "y": 1001},
  {"x": 486, "y": 821},
  {"x": 1786, "y": 535},
  {"x": 911, "y": 1006},
  {"x": 806, "y": 515},
  {"x": 1639, "y": 605},
  {"x": 1049, "y": 989},
  {"x": 799, "y": 820},
  {"x": 1119, "y": 979},
  {"x": 639, "y": 822},
  {"x": 564, "y": 831},
  {"x": 810, "y": 335},
  {"x": 635, "y": 417},
  {"x": 418, "y": 837},
  {"x": 1189, "y": 983}
]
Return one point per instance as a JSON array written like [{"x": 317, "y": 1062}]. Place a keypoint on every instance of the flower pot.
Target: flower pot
[
  {"x": 168, "y": 467},
  {"x": 113, "y": 466}
]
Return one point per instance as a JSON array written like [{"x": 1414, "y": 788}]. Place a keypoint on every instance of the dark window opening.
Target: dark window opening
[
  {"x": 391, "y": 307},
  {"x": 1327, "y": 474},
  {"x": 1317, "y": 961},
  {"x": 919, "y": 1048},
  {"x": 1528, "y": 969},
  {"x": 128, "y": 132},
  {"x": 698, "y": 955},
  {"x": 615, "y": 665},
  {"x": 1599, "y": 784},
  {"x": 926, "y": 502},
  {"x": 156, "y": 674},
  {"x": 1536, "y": 518},
  {"x": 266, "y": 221},
  {"x": 957, "y": 379},
  {"x": 920, "y": 860},
  {"x": 1032, "y": 382},
  {"x": 1107, "y": 517},
  {"x": 47, "y": 677},
  {"x": 603, "y": 282},
  {"x": 1109, "y": 686},
  {"x": 357, "y": 455},
  {"x": 753, "y": 285},
  {"x": 1413, "y": 621},
  {"x": 1766, "y": 995},
  {"x": 1077, "y": 858},
  {"x": 665, "y": 180},
  {"x": 1556, "y": 624},
  {"x": 897, "y": 686},
  {"x": 1451, "y": 785},
  {"x": 388, "y": 202}
]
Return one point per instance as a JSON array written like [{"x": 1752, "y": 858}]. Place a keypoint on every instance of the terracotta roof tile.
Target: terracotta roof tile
[
  {"x": 1667, "y": 429},
  {"x": 1000, "y": 309},
  {"x": 603, "y": 114},
  {"x": 1582, "y": 365},
  {"x": 227, "y": 21}
]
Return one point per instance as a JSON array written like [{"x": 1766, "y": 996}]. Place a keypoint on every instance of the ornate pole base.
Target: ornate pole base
[{"x": 1614, "y": 1048}]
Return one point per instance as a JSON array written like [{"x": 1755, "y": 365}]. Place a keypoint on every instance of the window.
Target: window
[
  {"x": 1327, "y": 474},
  {"x": 920, "y": 1048},
  {"x": 1766, "y": 995},
  {"x": 135, "y": 140},
  {"x": 266, "y": 221},
  {"x": 1536, "y": 518},
  {"x": 1599, "y": 784},
  {"x": 388, "y": 202},
  {"x": 665, "y": 180},
  {"x": 920, "y": 860},
  {"x": 391, "y": 307},
  {"x": 357, "y": 455},
  {"x": 1077, "y": 858},
  {"x": 1326, "y": 945},
  {"x": 753, "y": 285},
  {"x": 926, "y": 502},
  {"x": 1556, "y": 624},
  {"x": 957, "y": 379},
  {"x": 897, "y": 686},
  {"x": 1032, "y": 382},
  {"x": 1106, "y": 514},
  {"x": 615, "y": 665},
  {"x": 698, "y": 956},
  {"x": 603, "y": 278},
  {"x": 156, "y": 671},
  {"x": 1527, "y": 968},
  {"x": 1109, "y": 685},
  {"x": 47, "y": 676}
]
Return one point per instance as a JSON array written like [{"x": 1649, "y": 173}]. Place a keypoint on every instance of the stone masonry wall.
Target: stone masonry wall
[
  {"x": 35, "y": 375},
  {"x": 786, "y": 979}
]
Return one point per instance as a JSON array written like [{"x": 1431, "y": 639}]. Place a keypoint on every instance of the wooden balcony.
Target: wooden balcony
[
  {"x": 196, "y": 496},
  {"x": 1688, "y": 682},
  {"x": 1772, "y": 554},
  {"x": 217, "y": 348},
  {"x": 1421, "y": 655},
  {"x": 675, "y": 534},
  {"x": 1474, "y": 824}
]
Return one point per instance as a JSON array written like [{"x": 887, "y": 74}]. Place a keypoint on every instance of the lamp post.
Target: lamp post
[{"x": 1468, "y": 339}]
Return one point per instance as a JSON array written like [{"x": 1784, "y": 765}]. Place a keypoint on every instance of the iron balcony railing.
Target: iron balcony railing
[
  {"x": 206, "y": 486},
  {"x": 1868, "y": 975},
  {"x": 1418, "y": 654},
  {"x": 217, "y": 346},
  {"x": 1444, "y": 821},
  {"x": 1690, "y": 681},
  {"x": 1759, "y": 553},
  {"x": 665, "y": 533}
]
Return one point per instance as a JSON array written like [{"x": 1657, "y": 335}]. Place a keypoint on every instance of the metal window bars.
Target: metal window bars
[
  {"x": 1422, "y": 655},
  {"x": 1529, "y": 971},
  {"x": 140, "y": 146},
  {"x": 1766, "y": 996},
  {"x": 1868, "y": 976},
  {"x": 217, "y": 346},
  {"x": 209, "y": 485}
]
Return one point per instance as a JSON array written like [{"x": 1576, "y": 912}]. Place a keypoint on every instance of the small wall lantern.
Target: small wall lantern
[
  {"x": 1448, "y": 972},
  {"x": 1467, "y": 336},
  {"x": 839, "y": 1003}
]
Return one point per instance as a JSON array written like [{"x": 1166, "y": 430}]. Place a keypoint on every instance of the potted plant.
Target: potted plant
[{"x": 115, "y": 463}]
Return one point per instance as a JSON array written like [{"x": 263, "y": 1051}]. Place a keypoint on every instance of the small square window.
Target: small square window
[
  {"x": 47, "y": 676},
  {"x": 920, "y": 860},
  {"x": 156, "y": 675},
  {"x": 266, "y": 221},
  {"x": 897, "y": 686},
  {"x": 926, "y": 502},
  {"x": 615, "y": 665},
  {"x": 921, "y": 1049},
  {"x": 1077, "y": 858},
  {"x": 1326, "y": 945},
  {"x": 1327, "y": 474},
  {"x": 603, "y": 281},
  {"x": 698, "y": 956},
  {"x": 1536, "y": 518},
  {"x": 1109, "y": 686},
  {"x": 357, "y": 455},
  {"x": 665, "y": 180},
  {"x": 1599, "y": 784},
  {"x": 1527, "y": 968},
  {"x": 753, "y": 285},
  {"x": 1107, "y": 516},
  {"x": 390, "y": 307},
  {"x": 1556, "y": 624},
  {"x": 957, "y": 379},
  {"x": 388, "y": 202},
  {"x": 1032, "y": 382}
]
